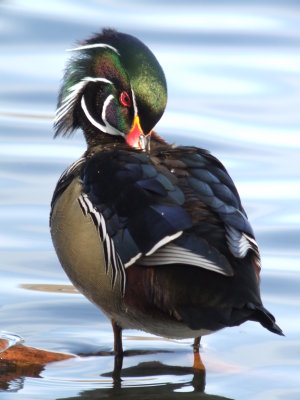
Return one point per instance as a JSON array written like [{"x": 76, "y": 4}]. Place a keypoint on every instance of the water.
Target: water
[{"x": 233, "y": 72}]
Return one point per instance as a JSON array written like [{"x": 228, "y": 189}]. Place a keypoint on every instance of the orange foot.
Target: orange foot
[{"x": 198, "y": 364}]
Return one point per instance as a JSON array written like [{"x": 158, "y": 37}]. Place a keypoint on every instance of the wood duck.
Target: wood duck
[{"x": 153, "y": 234}]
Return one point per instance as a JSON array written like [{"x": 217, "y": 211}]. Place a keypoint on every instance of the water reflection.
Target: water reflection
[
  {"x": 145, "y": 379},
  {"x": 164, "y": 392},
  {"x": 12, "y": 376},
  {"x": 152, "y": 372},
  {"x": 190, "y": 382}
]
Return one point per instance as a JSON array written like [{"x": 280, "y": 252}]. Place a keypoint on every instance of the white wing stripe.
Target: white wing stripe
[
  {"x": 172, "y": 254},
  {"x": 239, "y": 242},
  {"x": 164, "y": 241},
  {"x": 133, "y": 260}
]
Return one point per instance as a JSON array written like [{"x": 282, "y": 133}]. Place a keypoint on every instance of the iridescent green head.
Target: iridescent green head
[{"x": 114, "y": 86}]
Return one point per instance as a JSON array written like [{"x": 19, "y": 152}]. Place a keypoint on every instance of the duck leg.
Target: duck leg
[
  {"x": 118, "y": 352},
  {"x": 198, "y": 364},
  {"x": 118, "y": 347},
  {"x": 196, "y": 344}
]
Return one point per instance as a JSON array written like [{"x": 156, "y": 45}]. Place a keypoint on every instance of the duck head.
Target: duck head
[{"x": 114, "y": 89}]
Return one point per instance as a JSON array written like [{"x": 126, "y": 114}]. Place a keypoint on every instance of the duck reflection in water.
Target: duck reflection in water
[
  {"x": 194, "y": 379},
  {"x": 178, "y": 382},
  {"x": 21, "y": 362}
]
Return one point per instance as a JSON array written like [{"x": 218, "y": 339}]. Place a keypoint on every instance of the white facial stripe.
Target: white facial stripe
[
  {"x": 90, "y": 79},
  {"x": 107, "y": 128},
  {"x": 69, "y": 101},
  {"x": 94, "y": 46},
  {"x": 90, "y": 118},
  {"x": 74, "y": 91},
  {"x": 134, "y": 103}
]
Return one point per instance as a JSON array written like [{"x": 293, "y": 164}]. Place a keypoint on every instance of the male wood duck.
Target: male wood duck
[{"x": 153, "y": 234}]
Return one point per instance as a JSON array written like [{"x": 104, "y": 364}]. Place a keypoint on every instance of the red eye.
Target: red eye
[{"x": 125, "y": 99}]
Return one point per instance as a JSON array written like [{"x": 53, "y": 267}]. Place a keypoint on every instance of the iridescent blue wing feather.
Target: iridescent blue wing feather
[
  {"x": 139, "y": 204},
  {"x": 159, "y": 215}
]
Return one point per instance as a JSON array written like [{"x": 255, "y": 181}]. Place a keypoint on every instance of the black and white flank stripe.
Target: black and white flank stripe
[{"x": 112, "y": 259}]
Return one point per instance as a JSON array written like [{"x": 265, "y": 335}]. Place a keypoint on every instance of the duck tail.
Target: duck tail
[{"x": 265, "y": 318}]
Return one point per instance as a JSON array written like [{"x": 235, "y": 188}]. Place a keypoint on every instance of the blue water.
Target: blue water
[{"x": 233, "y": 73}]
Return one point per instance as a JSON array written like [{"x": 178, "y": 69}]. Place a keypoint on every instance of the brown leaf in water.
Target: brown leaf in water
[
  {"x": 19, "y": 361},
  {"x": 29, "y": 355}
]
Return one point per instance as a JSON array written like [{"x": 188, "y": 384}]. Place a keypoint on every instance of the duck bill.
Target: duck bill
[{"x": 136, "y": 137}]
